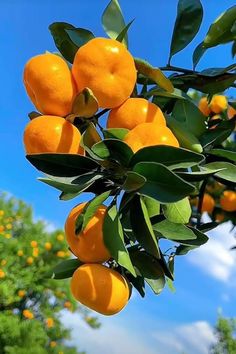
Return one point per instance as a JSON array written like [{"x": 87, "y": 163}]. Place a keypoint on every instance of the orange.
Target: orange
[
  {"x": 34, "y": 243},
  {"x": 208, "y": 203},
  {"x": 100, "y": 288},
  {"x": 231, "y": 112},
  {"x": 67, "y": 304},
  {"x": 29, "y": 260},
  {"x": 218, "y": 104},
  {"x": 135, "y": 111},
  {"x": 203, "y": 106},
  {"x": 107, "y": 68},
  {"x": 49, "y": 322},
  {"x": 150, "y": 134},
  {"x": 2, "y": 274},
  {"x": 88, "y": 246},
  {"x": 61, "y": 254},
  {"x": 228, "y": 200},
  {"x": 48, "y": 246},
  {"x": 28, "y": 314},
  {"x": 53, "y": 344},
  {"x": 49, "y": 84},
  {"x": 20, "y": 253},
  {"x": 21, "y": 293},
  {"x": 51, "y": 134},
  {"x": 220, "y": 217}
]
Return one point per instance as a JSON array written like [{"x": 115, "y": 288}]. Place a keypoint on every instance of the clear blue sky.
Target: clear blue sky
[{"x": 205, "y": 280}]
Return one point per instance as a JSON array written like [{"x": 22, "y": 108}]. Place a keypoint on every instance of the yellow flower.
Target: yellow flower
[
  {"x": 61, "y": 254},
  {"x": 8, "y": 226},
  {"x": 34, "y": 243},
  {"x": 2, "y": 274},
  {"x": 48, "y": 246},
  {"x": 53, "y": 344},
  {"x": 60, "y": 237},
  {"x": 21, "y": 293},
  {"x": 8, "y": 236},
  {"x": 49, "y": 322},
  {"x": 1, "y": 212},
  {"x": 29, "y": 260},
  {"x": 20, "y": 253},
  {"x": 3, "y": 262},
  {"x": 28, "y": 314},
  {"x": 35, "y": 252}
]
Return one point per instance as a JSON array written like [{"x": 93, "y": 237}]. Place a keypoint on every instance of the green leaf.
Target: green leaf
[
  {"x": 155, "y": 74},
  {"x": 89, "y": 211},
  {"x": 221, "y": 29},
  {"x": 138, "y": 283},
  {"x": 200, "y": 239},
  {"x": 173, "y": 231},
  {"x": 182, "y": 250},
  {"x": 115, "y": 133},
  {"x": 34, "y": 114},
  {"x": 114, "y": 239},
  {"x": 153, "y": 207},
  {"x": 216, "y": 136},
  {"x": 187, "y": 24},
  {"x": 179, "y": 212},
  {"x": 113, "y": 21},
  {"x": 113, "y": 149},
  {"x": 233, "y": 49},
  {"x": 177, "y": 94},
  {"x": 133, "y": 181},
  {"x": 85, "y": 104},
  {"x": 227, "y": 174},
  {"x": 190, "y": 116},
  {"x": 208, "y": 226},
  {"x": 63, "y": 165},
  {"x": 64, "y": 269},
  {"x": 230, "y": 155},
  {"x": 150, "y": 268},
  {"x": 170, "y": 284},
  {"x": 168, "y": 156},
  {"x": 141, "y": 226},
  {"x": 79, "y": 36},
  {"x": 162, "y": 184},
  {"x": 185, "y": 138},
  {"x": 200, "y": 175},
  {"x": 197, "y": 54},
  {"x": 89, "y": 138},
  {"x": 123, "y": 33}
]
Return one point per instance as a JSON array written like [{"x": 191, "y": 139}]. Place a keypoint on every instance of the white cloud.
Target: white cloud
[
  {"x": 215, "y": 257},
  {"x": 111, "y": 338},
  {"x": 192, "y": 338}
]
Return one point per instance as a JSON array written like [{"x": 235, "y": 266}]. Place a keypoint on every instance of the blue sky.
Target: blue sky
[{"x": 205, "y": 280}]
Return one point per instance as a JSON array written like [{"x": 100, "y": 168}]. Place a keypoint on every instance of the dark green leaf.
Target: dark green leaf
[
  {"x": 230, "y": 155},
  {"x": 114, "y": 239},
  {"x": 187, "y": 24},
  {"x": 173, "y": 231},
  {"x": 89, "y": 211},
  {"x": 182, "y": 250},
  {"x": 138, "y": 283},
  {"x": 229, "y": 172},
  {"x": 197, "y": 54},
  {"x": 200, "y": 239},
  {"x": 167, "y": 155},
  {"x": 123, "y": 33},
  {"x": 179, "y": 212},
  {"x": 217, "y": 135},
  {"x": 133, "y": 181},
  {"x": 64, "y": 269},
  {"x": 63, "y": 165},
  {"x": 62, "y": 40},
  {"x": 162, "y": 184},
  {"x": 89, "y": 138},
  {"x": 113, "y": 21},
  {"x": 141, "y": 226},
  {"x": 220, "y": 30},
  {"x": 150, "y": 268},
  {"x": 190, "y": 116},
  {"x": 198, "y": 175},
  {"x": 177, "y": 94},
  {"x": 34, "y": 114},
  {"x": 115, "y": 133},
  {"x": 113, "y": 149},
  {"x": 233, "y": 50},
  {"x": 208, "y": 226},
  {"x": 155, "y": 74},
  {"x": 79, "y": 36}
]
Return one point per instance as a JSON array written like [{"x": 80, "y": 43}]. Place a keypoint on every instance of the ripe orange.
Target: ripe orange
[
  {"x": 218, "y": 104},
  {"x": 88, "y": 246},
  {"x": 203, "y": 106},
  {"x": 135, "y": 111},
  {"x": 228, "y": 200},
  {"x": 28, "y": 314},
  {"x": 49, "y": 84},
  {"x": 231, "y": 112},
  {"x": 48, "y": 246},
  {"x": 51, "y": 134},
  {"x": 150, "y": 134},
  {"x": 100, "y": 288},
  {"x": 34, "y": 243},
  {"x": 208, "y": 203},
  {"x": 21, "y": 293},
  {"x": 107, "y": 68}
]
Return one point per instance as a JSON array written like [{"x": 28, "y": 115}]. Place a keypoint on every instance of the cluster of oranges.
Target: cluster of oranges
[
  {"x": 105, "y": 67},
  {"x": 5, "y": 225}
]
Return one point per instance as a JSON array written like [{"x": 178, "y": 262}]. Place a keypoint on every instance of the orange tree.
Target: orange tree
[
  {"x": 30, "y": 305},
  {"x": 146, "y": 165}
]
